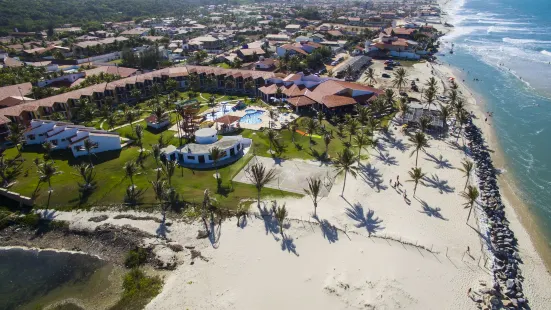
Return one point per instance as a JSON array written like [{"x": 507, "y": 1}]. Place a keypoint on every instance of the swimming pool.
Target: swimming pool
[
  {"x": 252, "y": 116},
  {"x": 225, "y": 109}
]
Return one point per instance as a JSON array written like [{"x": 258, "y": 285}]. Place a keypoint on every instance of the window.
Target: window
[
  {"x": 191, "y": 157},
  {"x": 54, "y": 142},
  {"x": 31, "y": 137},
  {"x": 210, "y": 157}
]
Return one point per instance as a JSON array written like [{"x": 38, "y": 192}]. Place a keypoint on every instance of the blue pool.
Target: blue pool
[
  {"x": 252, "y": 116},
  {"x": 225, "y": 109}
]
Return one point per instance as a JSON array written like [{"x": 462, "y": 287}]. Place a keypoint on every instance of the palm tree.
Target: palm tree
[
  {"x": 362, "y": 114},
  {"x": 48, "y": 148},
  {"x": 168, "y": 170},
  {"x": 111, "y": 120},
  {"x": 311, "y": 127},
  {"x": 345, "y": 164},
  {"x": 293, "y": 128},
  {"x": 130, "y": 117},
  {"x": 327, "y": 137},
  {"x": 471, "y": 195},
  {"x": 400, "y": 78},
  {"x": 424, "y": 123},
  {"x": 272, "y": 138},
  {"x": 138, "y": 130},
  {"x": 258, "y": 175},
  {"x": 279, "y": 93},
  {"x": 16, "y": 136},
  {"x": 216, "y": 154},
  {"x": 87, "y": 173},
  {"x": 88, "y": 146},
  {"x": 314, "y": 191},
  {"x": 429, "y": 95},
  {"x": 130, "y": 170},
  {"x": 135, "y": 93},
  {"x": 462, "y": 118},
  {"x": 444, "y": 115},
  {"x": 420, "y": 142},
  {"x": 352, "y": 127},
  {"x": 453, "y": 97},
  {"x": 4, "y": 170},
  {"x": 46, "y": 171},
  {"x": 361, "y": 141},
  {"x": 370, "y": 76},
  {"x": 389, "y": 99},
  {"x": 416, "y": 176},
  {"x": 272, "y": 114},
  {"x": 156, "y": 153},
  {"x": 403, "y": 107},
  {"x": 432, "y": 83},
  {"x": 280, "y": 214},
  {"x": 468, "y": 167}
]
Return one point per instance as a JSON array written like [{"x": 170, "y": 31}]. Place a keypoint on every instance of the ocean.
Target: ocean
[{"x": 506, "y": 45}]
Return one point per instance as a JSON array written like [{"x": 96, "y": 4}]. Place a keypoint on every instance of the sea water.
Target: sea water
[
  {"x": 32, "y": 279},
  {"x": 506, "y": 45}
]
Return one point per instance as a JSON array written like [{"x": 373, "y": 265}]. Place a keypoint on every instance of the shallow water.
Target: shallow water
[{"x": 37, "y": 279}]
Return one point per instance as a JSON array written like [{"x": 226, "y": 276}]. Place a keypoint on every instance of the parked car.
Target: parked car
[
  {"x": 388, "y": 68},
  {"x": 386, "y": 75}
]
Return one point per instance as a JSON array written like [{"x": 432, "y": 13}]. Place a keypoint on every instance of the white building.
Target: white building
[
  {"x": 67, "y": 135},
  {"x": 206, "y": 139}
]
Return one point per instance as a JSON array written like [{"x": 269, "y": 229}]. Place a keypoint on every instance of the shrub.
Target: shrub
[{"x": 135, "y": 258}]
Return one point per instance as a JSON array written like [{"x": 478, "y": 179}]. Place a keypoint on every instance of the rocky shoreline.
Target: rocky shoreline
[
  {"x": 107, "y": 242},
  {"x": 507, "y": 276}
]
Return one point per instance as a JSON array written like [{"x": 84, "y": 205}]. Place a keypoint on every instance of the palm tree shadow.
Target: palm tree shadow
[
  {"x": 372, "y": 177},
  {"x": 287, "y": 243},
  {"x": 162, "y": 230},
  {"x": 398, "y": 144},
  {"x": 270, "y": 223},
  {"x": 435, "y": 182},
  {"x": 439, "y": 161},
  {"x": 387, "y": 159},
  {"x": 431, "y": 212},
  {"x": 372, "y": 224},
  {"x": 329, "y": 231}
]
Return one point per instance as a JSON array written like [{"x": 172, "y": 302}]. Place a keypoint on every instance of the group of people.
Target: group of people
[{"x": 397, "y": 184}]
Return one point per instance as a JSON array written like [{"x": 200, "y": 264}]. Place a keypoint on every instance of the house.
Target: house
[
  {"x": 208, "y": 43},
  {"x": 393, "y": 46},
  {"x": 277, "y": 38},
  {"x": 136, "y": 32},
  {"x": 250, "y": 54},
  {"x": 300, "y": 48},
  {"x": 12, "y": 62},
  {"x": 14, "y": 94},
  {"x": 198, "y": 154},
  {"x": 356, "y": 64},
  {"x": 401, "y": 32},
  {"x": 82, "y": 48},
  {"x": 266, "y": 64},
  {"x": 67, "y": 135},
  {"x": 327, "y": 94},
  {"x": 292, "y": 28}
]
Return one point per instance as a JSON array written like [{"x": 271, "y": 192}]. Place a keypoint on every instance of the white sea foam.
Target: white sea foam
[
  {"x": 524, "y": 41},
  {"x": 509, "y": 29},
  {"x": 546, "y": 53}
]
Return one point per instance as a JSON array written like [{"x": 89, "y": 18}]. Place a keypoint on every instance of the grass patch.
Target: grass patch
[{"x": 139, "y": 289}]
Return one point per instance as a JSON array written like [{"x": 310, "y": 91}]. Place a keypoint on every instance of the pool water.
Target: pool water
[
  {"x": 252, "y": 116},
  {"x": 220, "y": 112}
]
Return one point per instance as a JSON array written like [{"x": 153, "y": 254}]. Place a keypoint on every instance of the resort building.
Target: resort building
[
  {"x": 67, "y": 135},
  {"x": 328, "y": 94},
  {"x": 198, "y": 154}
]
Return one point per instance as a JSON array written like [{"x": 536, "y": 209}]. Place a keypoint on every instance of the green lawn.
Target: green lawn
[
  {"x": 301, "y": 149},
  {"x": 112, "y": 183}
]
